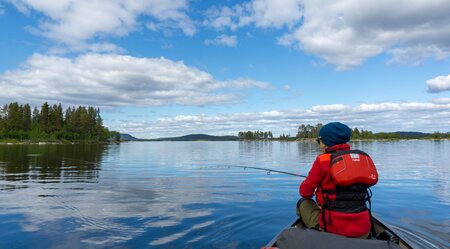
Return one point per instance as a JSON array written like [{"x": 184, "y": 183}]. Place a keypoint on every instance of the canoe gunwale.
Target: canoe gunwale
[{"x": 382, "y": 232}]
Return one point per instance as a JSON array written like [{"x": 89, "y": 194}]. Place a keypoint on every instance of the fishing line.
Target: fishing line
[{"x": 266, "y": 169}]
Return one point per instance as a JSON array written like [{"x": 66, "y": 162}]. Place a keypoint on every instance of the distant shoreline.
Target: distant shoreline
[
  {"x": 281, "y": 140},
  {"x": 286, "y": 138},
  {"x": 199, "y": 140}
]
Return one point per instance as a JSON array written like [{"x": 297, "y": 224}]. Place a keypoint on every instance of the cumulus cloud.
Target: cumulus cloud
[
  {"x": 74, "y": 22},
  {"x": 415, "y": 55},
  {"x": 347, "y": 32},
  {"x": 117, "y": 80},
  {"x": 439, "y": 84},
  {"x": 275, "y": 13},
  {"x": 223, "y": 40},
  {"x": 388, "y": 116},
  {"x": 261, "y": 13}
]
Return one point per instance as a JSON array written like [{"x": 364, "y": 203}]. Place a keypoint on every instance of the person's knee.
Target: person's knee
[
  {"x": 299, "y": 202},
  {"x": 303, "y": 206},
  {"x": 306, "y": 203},
  {"x": 298, "y": 210}
]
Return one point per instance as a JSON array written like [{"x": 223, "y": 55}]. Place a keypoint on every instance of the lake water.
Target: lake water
[{"x": 184, "y": 195}]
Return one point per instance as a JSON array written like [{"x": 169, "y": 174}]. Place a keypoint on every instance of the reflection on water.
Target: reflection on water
[
  {"x": 49, "y": 164},
  {"x": 182, "y": 195}
]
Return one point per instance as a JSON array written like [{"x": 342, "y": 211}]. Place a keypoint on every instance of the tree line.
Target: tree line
[
  {"x": 262, "y": 135},
  {"x": 51, "y": 122},
  {"x": 312, "y": 131},
  {"x": 255, "y": 135}
]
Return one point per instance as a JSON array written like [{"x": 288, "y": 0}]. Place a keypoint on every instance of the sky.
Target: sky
[{"x": 159, "y": 68}]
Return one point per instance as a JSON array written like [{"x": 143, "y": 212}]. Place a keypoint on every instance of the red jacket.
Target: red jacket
[{"x": 319, "y": 177}]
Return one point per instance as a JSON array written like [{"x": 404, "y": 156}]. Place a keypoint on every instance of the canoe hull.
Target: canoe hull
[{"x": 382, "y": 236}]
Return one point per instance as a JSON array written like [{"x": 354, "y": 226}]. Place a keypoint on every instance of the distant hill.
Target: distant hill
[
  {"x": 127, "y": 137},
  {"x": 191, "y": 137},
  {"x": 196, "y": 137},
  {"x": 402, "y": 135}
]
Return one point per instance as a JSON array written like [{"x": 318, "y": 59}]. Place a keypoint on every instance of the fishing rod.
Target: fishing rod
[{"x": 268, "y": 170}]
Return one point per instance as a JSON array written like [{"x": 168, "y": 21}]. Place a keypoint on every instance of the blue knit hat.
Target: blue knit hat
[{"x": 335, "y": 133}]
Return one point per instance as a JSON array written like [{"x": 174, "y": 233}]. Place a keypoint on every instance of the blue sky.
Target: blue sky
[{"x": 166, "y": 68}]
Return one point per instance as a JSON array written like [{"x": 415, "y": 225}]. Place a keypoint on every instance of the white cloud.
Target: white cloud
[
  {"x": 117, "y": 80},
  {"x": 73, "y": 23},
  {"x": 241, "y": 83},
  {"x": 441, "y": 101},
  {"x": 261, "y": 13},
  {"x": 347, "y": 32},
  {"x": 412, "y": 116},
  {"x": 286, "y": 40},
  {"x": 229, "y": 17},
  {"x": 223, "y": 40},
  {"x": 276, "y": 13},
  {"x": 439, "y": 84},
  {"x": 336, "y": 108},
  {"x": 103, "y": 47},
  {"x": 415, "y": 55},
  {"x": 390, "y": 106}
]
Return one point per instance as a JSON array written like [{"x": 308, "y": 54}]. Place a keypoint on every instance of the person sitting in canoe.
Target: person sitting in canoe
[{"x": 339, "y": 179}]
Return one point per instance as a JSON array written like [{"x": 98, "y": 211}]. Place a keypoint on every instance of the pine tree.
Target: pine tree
[
  {"x": 35, "y": 116},
  {"x": 44, "y": 118},
  {"x": 26, "y": 117},
  {"x": 57, "y": 118},
  {"x": 14, "y": 121}
]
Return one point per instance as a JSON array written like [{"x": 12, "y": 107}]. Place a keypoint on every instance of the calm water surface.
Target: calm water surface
[{"x": 184, "y": 195}]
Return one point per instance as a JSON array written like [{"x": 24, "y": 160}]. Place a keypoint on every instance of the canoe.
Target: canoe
[{"x": 298, "y": 236}]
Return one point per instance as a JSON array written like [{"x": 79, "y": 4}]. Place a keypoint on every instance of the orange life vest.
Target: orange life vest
[
  {"x": 352, "y": 172},
  {"x": 349, "y": 167}
]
